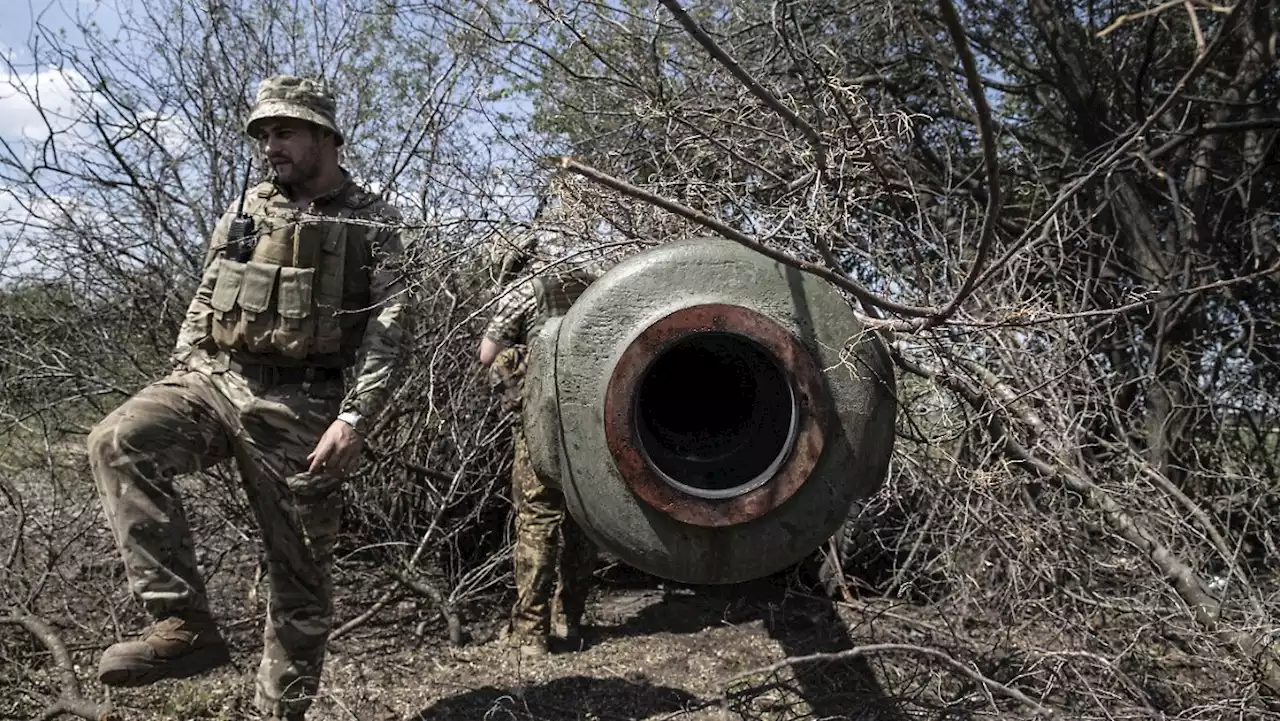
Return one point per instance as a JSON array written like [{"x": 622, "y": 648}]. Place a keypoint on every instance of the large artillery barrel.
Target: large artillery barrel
[{"x": 711, "y": 414}]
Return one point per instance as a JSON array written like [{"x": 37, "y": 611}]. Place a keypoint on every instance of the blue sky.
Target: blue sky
[
  {"x": 20, "y": 19},
  {"x": 20, "y": 123}
]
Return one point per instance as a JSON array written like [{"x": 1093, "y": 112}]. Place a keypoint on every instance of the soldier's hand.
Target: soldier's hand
[{"x": 337, "y": 452}]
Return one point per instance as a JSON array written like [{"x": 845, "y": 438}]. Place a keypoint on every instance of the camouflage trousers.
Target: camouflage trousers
[
  {"x": 189, "y": 421},
  {"x": 553, "y": 557},
  {"x": 549, "y": 547}
]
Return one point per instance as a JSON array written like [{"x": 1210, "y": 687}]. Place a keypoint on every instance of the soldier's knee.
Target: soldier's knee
[
  {"x": 103, "y": 442},
  {"x": 136, "y": 428},
  {"x": 123, "y": 438}
]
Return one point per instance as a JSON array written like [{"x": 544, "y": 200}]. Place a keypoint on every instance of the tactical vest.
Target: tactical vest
[
  {"x": 284, "y": 300},
  {"x": 555, "y": 293}
]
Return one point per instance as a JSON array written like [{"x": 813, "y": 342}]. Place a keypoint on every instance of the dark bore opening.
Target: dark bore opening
[{"x": 715, "y": 415}]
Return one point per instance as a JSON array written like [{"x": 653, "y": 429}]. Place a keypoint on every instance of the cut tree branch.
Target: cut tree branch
[
  {"x": 706, "y": 41},
  {"x": 841, "y": 281}
]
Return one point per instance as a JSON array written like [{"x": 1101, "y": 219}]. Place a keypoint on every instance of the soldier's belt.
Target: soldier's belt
[{"x": 284, "y": 375}]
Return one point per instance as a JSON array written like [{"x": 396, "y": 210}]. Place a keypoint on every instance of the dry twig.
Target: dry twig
[
  {"x": 898, "y": 648},
  {"x": 70, "y": 699}
]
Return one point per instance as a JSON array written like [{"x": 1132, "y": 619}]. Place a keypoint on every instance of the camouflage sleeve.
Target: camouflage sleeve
[
  {"x": 507, "y": 373},
  {"x": 511, "y": 315},
  {"x": 380, "y": 354},
  {"x": 195, "y": 325}
]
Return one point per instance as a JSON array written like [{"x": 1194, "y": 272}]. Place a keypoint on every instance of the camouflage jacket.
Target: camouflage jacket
[
  {"x": 372, "y": 316},
  {"x": 518, "y": 314},
  {"x": 524, "y": 308}
]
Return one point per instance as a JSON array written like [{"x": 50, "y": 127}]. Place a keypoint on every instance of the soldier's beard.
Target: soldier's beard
[{"x": 295, "y": 172}]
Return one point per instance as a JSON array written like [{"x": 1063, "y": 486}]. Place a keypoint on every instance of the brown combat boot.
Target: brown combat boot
[
  {"x": 174, "y": 648},
  {"x": 530, "y": 645},
  {"x": 566, "y": 627}
]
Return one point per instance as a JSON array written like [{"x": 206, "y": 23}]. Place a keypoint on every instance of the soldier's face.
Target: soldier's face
[{"x": 294, "y": 149}]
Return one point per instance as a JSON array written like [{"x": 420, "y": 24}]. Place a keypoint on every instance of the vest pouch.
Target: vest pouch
[
  {"x": 256, "y": 319},
  {"x": 328, "y": 287},
  {"x": 295, "y": 329},
  {"x": 226, "y": 314},
  {"x": 275, "y": 241}
]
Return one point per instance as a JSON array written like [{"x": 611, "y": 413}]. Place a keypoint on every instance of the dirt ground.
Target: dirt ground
[
  {"x": 651, "y": 650},
  {"x": 648, "y": 653}
]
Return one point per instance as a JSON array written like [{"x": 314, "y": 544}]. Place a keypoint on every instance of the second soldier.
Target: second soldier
[{"x": 554, "y": 559}]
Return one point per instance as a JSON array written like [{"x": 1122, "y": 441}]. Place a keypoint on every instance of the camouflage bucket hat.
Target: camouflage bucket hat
[{"x": 286, "y": 96}]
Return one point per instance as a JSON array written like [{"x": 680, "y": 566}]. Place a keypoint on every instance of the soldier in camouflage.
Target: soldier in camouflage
[
  {"x": 260, "y": 376},
  {"x": 549, "y": 545}
]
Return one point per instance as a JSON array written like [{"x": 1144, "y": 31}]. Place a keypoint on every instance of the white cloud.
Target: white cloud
[
  {"x": 35, "y": 103},
  {"x": 62, "y": 103},
  {"x": 172, "y": 132}
]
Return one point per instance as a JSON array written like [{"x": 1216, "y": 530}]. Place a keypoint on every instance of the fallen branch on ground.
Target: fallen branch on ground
[
  {"x": 71, "y": 699},
  {"x": 383, "y": 601},
  {"x": 424, "y": 588}
]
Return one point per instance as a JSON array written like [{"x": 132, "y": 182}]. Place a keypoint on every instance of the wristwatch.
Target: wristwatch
[{"x": 353, "y": 419}]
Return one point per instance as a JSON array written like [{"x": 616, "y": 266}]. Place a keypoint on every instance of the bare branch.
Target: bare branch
[
  {"x": 621, "y": 186},
  {"x": 902, "y": 648},
  {"x": 990, "y": 161},
  {"x": 758, "y": 90},
  {"x": 70, "y": 699}
]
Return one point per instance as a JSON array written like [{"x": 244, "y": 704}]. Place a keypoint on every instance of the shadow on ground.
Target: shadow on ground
[
  {"x": 800, "y": 624},
  {"x": 564, "y": 699}
]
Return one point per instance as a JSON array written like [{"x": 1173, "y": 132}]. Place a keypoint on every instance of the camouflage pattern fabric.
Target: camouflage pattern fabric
[
  {"x": 525, "y": 307},
  {"x": 555, "y": 294},
  {"x": 204, "y": 413},
  {"x": 507, "y": 373},
  {"x": 287, "y": 96},
  {"x": 549, "y": 546},
  {"x": 512, "y": 315},
  {"x": 372, "y": 318},
  {"x": 191, "y": 420}
]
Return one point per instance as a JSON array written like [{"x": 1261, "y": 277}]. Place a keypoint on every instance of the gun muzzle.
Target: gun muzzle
[{"x": 711, "y": 414}]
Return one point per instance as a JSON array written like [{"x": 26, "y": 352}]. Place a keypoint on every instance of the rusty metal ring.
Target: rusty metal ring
[{"x": 812, "y": 410}]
